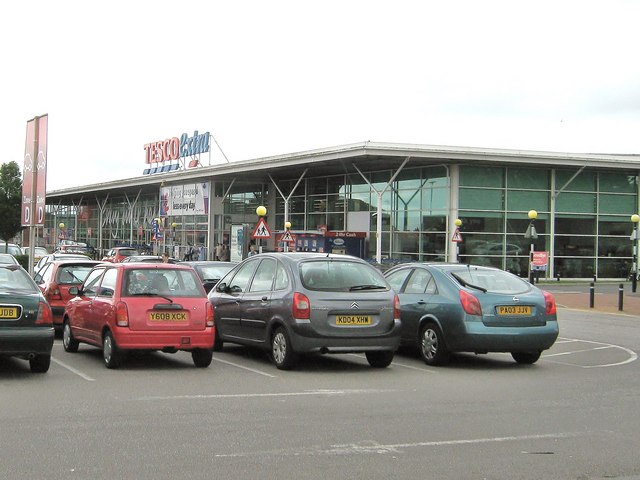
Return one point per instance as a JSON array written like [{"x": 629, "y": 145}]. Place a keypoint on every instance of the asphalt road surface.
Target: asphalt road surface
[{"x": 573, "y": 415}]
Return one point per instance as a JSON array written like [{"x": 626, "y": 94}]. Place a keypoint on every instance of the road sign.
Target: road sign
[
  {"x": 287, "y": 237},
  {"x": 457, "y": 237},
  {"x": 261, "y": 230}
]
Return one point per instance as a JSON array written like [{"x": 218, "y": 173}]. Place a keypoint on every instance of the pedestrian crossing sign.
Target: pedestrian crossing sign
[
  {"x": 261, "y": 230},
  {"x": 287, "y": 237},
  {"x": 457, "y": 237}
]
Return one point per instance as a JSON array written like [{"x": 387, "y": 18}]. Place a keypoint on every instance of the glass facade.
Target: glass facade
[{"x": 582, "y": 215}]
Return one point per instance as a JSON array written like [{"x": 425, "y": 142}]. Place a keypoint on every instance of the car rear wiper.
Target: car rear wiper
[
  {"x": 150, "y": 294},
  {"x": 367, "y": 287},
  {"x": 464, "y": 283}
]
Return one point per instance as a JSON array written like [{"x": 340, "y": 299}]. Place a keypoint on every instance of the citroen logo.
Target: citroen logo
[
  {"x": 516, "y": 299},
  {"x": 355, "y": 305}
]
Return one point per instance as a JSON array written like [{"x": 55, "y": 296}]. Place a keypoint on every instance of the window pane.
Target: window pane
[
  {"x": 613, "y": 268},
  {"x": 481, "y": 199},
  {"x": 575, "y": 246},
  {"x": 574, "y": 267},
  {"x": 584, "y": 182},
  {"x": 576, "y": 202},
  {"x": 614, "y": 247},
  {"x": 618, "y": 182},
  {"x": 523, "y": 200},
  {"x": 482, "y": 222},
  {"x": 482, "y": 176},
  {"x": 615, "y": 226},
  {"x": 617, "y": 204},
  {"x": 528, "y": 178},
  {"x": 575, "y": 225},
  {"x": 407, "y": 220}
]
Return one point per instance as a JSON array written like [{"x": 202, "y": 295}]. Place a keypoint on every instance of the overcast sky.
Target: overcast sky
[{"x": 275, "y": 77}]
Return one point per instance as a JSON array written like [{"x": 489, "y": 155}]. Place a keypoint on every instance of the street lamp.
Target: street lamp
[
  {"x": 635, "y": 218},
  {"x": 457, "y": 238},
  {"x": 532, "y": 235},
  {"x": 287, "y": 227},
  {"x": 261, "y": 211},
  {"x": 61, "y": 227}
]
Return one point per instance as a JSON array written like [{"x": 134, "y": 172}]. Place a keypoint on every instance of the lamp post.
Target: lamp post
[
  {"x": 287, "y": 227},
  {"x": 634, "y": 266},
  {"x": 532, "y": 235},
  {"x": 261, "y": 211},
  {"x": 457, "y": 238}
]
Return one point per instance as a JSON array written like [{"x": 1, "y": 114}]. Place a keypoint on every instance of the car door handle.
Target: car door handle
[
  {"x": 421, "y": 302},
  {"x": 265, "y": 299}
]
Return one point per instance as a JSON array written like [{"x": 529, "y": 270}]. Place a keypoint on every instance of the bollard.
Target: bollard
[
  {"x": 558, "y": 277},
  {"x": 592, "y": 292},
  {"x": 620, "y": 296}
]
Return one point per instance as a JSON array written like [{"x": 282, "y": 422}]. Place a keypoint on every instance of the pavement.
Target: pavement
[{"x": 606, "y": 296}]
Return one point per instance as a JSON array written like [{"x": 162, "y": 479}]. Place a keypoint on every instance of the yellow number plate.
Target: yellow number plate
[
  {"x": 169, "y": 316},
  {"x": 8, "y": 312},
  {"x": 353, "y": 320},
  {"x": 514, "y": 310}
]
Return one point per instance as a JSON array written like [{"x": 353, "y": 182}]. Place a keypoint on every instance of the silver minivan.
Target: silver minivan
[{"x": 293, "y": 303}]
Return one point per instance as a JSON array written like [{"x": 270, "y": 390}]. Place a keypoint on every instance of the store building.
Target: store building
[{"x": 402, "y": 200}]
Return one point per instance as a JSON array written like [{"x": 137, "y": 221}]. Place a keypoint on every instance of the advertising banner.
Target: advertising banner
[
  {"x": 34, "y": 171},
  {"x": 188, "y": 199}
]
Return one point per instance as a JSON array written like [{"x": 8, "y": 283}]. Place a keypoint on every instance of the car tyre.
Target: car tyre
[
  {"x": 110, "y": 352},
  {"x": 380, "y": 359},
  {"x": 282, "y": 352},
  {"x": 69, "y": 343},
  {"x": 40, "y": 363},
  {"x": 202, "y": 357},
  {"x": 526, "y": 358},
  {"x": 217, "y": 341},
  {"x": 432, "y": 348}
]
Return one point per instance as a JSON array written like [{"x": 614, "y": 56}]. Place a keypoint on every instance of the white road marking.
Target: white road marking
[
  {"x": 244, "y": 368},
  {"x": 73, "y": 370},
  {"x": 633, "y": 356},
  {"x": 262, "y": 395},
  {"x": 396, "y": 364},
  {"x": 369, "y": 447}
]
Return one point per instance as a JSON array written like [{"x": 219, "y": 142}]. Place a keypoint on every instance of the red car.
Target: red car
[
  {"x": 140, "y": 306},
  {"x": 116, "y": 255},
  {"x": 56, "y": 278}
]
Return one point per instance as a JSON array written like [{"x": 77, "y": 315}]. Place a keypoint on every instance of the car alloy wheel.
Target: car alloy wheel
[
  {"x": 69, "y": 343},
  {"x": 283, "y": 355},
  {"x": 432, "y": 348}
]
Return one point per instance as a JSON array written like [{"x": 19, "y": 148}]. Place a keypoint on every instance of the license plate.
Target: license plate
[
  {"x": 353, "y": 320},
  {"x": 169, "y": 316},
  {"x": 9, "y": 312},
  {"x": 514, "y": 310}
]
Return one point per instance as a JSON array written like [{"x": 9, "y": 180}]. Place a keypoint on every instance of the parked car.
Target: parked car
[
  {"x": 464, "y": 308},
  {"x": 123, "y": 307},
  {"x": 116, "y": 255},
  {"x": 26, "y": 328},
  {"x": 9, "y": 259},
  {"x": 57, "y": 256},
  {"x": 293, "y": 303},
  {"x": 210, "y": 271},
  {"x": 38, "y": 253},
  {"x": 10, "y": 248},
  {"x": 148, "y": 259},
  {"x": 56, "y": 278}
]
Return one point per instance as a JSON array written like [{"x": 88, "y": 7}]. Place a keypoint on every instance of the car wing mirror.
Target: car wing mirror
[{"x": 222, "y": 288}]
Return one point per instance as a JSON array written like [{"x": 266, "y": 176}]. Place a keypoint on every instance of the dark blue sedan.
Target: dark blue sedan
[{"x": 451, "y": 307}]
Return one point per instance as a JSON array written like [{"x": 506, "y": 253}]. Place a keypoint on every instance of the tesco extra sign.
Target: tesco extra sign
[{"x": 173, "y": 149}]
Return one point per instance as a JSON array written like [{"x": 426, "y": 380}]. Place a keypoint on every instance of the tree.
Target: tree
[{"x": 10, "y": 201}]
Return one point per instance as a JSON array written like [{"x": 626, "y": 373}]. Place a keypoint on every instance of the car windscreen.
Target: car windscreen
[
  {"x": 214, "y": 272},
  {"x": 127, "y": 252},
  {"x": 339, "y": 275},
  {"x": 73, "y": 274},
  {"x": 161, "y": 281},
  {"x": 493, "y": 281},
  {"x": 14, "y": 278}
]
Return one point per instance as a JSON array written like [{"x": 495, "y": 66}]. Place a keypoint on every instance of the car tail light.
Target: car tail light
[
  {"x": 470, "y": 303},
  {"x": 396, "y": 307},
  {"x": 53, "y": 293},
  {"x": 45, "y": 317},
  {"x": 301, "y": 306},
  {"x": 549, "y": 303},
  {"x": 209, "y": 316},
  {"x": 122, "y": 315}
]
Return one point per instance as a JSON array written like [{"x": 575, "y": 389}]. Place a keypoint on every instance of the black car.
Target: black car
[
  {"x": 26, "y": 322},
  {"x": 210, "y": 271}
]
